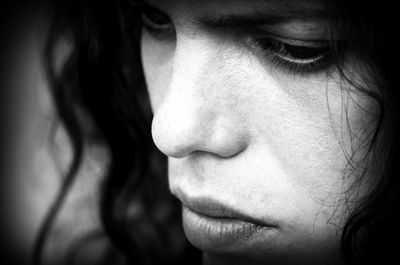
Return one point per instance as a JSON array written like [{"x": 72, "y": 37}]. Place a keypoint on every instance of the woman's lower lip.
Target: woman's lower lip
[{"x": 218, "y": 234}]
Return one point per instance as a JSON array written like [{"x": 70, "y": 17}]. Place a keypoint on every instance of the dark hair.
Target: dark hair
[
  {"x": 103, "y": 78},
  {"x": 370, "y": 236}
]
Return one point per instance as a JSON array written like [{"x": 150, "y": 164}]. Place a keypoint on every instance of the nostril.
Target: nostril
[
  {"x": 173, "y": 146},
  {"x": 227, "y": 143},
  {"x": 232, "y": 150}
]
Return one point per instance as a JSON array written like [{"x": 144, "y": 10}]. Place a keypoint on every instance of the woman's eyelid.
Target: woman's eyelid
[
  {"x": 308, "y": 31},
  {"x": 316, "y": 42},
  {"x": 149, "y": 12},
  {"x": 148, "y": 22}
]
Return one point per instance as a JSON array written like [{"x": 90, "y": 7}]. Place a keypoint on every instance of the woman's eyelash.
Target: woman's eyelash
[{"x": 297, "y": 58}]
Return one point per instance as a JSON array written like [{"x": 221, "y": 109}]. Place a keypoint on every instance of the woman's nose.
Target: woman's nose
[
  {"x": 195, "y": 114},
  {"x": 181, "y": 129}
]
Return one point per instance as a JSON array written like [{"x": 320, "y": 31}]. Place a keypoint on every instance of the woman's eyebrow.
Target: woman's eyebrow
[{"x": 255, "y": 17}]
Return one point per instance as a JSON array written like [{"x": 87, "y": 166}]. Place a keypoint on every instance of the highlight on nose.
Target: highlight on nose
[{"x": 179, "y": 133}]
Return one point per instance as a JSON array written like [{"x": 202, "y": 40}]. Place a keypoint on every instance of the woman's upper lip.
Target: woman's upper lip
[{"x": 213, "y": 208}]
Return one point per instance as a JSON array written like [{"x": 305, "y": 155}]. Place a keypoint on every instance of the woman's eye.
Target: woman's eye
[
  {"x": 155, "y": 21},
  {"x": 298, "y": 56}
]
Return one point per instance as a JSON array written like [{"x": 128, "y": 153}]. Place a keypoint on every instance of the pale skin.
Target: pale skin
[{"x": 270, "y": 141}]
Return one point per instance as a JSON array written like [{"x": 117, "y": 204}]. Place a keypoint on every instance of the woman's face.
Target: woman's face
[{"x": 261, "y": 132}]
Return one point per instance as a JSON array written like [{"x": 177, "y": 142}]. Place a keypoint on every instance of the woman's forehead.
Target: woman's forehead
[
  {"x": 286, "y": 9},
  {"x": 228, "y": 4}
]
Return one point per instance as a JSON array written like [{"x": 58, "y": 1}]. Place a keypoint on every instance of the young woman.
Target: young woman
[{"x": 278, "y": 119}]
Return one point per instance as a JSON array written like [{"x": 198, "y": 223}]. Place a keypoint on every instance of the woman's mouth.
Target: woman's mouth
[{"x": 211, "y": 226}]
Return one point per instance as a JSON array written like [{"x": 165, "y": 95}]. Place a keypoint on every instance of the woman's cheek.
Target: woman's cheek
[{"x": 304, "y": 123}]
